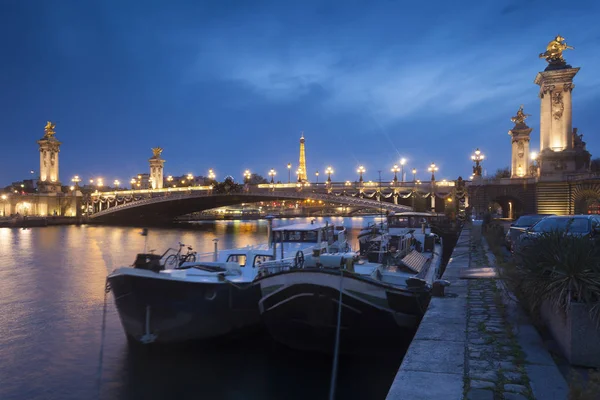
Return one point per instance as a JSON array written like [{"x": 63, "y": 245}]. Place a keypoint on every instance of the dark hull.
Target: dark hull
[
  {"x": 304, "y": 316},
  {"x": 183, "y": 311}
]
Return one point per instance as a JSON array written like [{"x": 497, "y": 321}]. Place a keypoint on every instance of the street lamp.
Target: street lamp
[
  {"x": 477, "y": 158},
  {"x": 211, "y": 174},
  {"x": 317, "y": 174},
  {"x": 117, "y": 183},
  {"x": 76, "y": 179},
  {"x": 329, "y": 171},
  {"x": 132, "y": 181},
  {"x": 402, "y": 162},
  {"x": 414, "y": 171},
  {"x": 361, "y": 170},
  {"x": 190, "y": 178},
  {"x": 432, "y": 168},
  {"x": 247, "y": 175},
  {"x": 99, "y": 182},
  {"x": 395, "y": 170},
  {"x": 272, "y": 174},
  {"x": 289, "y": 172},
  {"x": 534, "y": 165},
  {"x": 170, "y": 179}
]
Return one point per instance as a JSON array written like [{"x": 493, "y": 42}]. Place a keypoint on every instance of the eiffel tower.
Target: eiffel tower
[{"x": 302, "y": 177}]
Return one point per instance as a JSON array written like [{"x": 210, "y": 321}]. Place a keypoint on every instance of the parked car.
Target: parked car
[
  {"x": 580, "y": 225},
  {"x": 519, "y": 226}
]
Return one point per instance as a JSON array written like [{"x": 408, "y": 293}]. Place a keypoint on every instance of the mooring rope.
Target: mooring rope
[
  {"x": 337, "y": 341},
  {"x": 102, "y": 335}
]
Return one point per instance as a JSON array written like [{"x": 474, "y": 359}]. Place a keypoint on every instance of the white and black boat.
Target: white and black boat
[
  {"x": 209, "y": 295},
  {"x": 384, "y": 290}
]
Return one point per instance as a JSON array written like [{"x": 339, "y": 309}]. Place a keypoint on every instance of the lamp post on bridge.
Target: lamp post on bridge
[
  {"x": 329, "y": 171},
  {"x": 534, "y": 165},
  {"x": 272, "y": 174},
  {"x": 432, "y": 168},
  {"x": 289, "y": 172},
  {"x": 247, "y": 175},
  {"x": 76, "y": 179},
  {"x": 477, "y": 158},
  {"x": 361, "y": 170},
  {"x": 395, "y": 170},
  {"x": 317, "y": 175},
  {"x": 402, "y": 162},
  {"x": 414, "y": 172},
  {"x": 116, "y": 183},
  {"x": 211, "y": 174}
]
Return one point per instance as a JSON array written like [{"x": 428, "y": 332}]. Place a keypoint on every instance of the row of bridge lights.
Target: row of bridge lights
[
  {"x": 99, "y": 182},
  {"x": 477, "y": 157}
]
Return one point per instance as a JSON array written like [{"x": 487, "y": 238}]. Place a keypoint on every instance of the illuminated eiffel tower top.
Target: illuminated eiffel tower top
[{"x": 302, "y": 163}]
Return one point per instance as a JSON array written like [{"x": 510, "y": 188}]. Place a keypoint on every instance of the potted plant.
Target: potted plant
[{"x": 559, "y": 276}]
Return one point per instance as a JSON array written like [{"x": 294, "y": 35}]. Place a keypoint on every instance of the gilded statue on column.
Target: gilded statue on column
[
  {"x": 520, "y": 117},
  {"x": 157, "y": 151},
  {"x": 554, "y": 50},
  {"x": 49, "y": 130}
]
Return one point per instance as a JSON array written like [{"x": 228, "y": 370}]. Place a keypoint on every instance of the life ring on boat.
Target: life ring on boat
[{"x": 299, "y": 259}]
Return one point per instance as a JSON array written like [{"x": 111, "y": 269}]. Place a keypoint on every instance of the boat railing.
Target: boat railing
[{"x": 275, "y": 266}]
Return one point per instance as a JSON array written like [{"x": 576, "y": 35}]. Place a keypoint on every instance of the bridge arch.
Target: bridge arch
[
  {"x": 586, "y": 198},
  {"x": 166, "y": 208}
]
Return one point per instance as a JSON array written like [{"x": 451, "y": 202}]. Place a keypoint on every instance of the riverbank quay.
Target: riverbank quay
[
  {"x": 475, "y": 342},
  {"x": 31, "y": 222}
]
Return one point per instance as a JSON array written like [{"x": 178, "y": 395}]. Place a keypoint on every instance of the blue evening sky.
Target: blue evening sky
[{"x": 230, "y": 85}]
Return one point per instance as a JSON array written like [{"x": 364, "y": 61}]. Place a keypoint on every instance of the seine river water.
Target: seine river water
[{"x": 51, "y": 301}]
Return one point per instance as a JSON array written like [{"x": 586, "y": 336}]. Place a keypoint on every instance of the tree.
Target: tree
[
  {"x": 255, "y": 179},
  {"x": 502, "y": 173}
]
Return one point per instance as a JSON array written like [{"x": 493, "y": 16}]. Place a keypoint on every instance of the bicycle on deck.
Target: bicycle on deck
[{"x": 177, "y": 259}]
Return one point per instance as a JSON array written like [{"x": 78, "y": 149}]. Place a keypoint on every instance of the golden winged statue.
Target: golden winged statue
[
  {"x": 157, "y": 151},
  {"x": 554, "y": 50},
  {"x": 520, "y": 117},
  {"x": 49, "y": 130}
]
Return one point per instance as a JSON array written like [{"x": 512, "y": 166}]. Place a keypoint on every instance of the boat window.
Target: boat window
[
  {"x": 237, "y": 258},
  {"x": 398, "y": 222},
  {"x": 261, "y": 259},
  {"x": 296, "y": 236}
]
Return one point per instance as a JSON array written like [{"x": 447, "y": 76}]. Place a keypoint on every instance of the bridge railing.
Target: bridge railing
[
  {"x": 350, "y": 200},
  {"x": 270, "y": 186}
]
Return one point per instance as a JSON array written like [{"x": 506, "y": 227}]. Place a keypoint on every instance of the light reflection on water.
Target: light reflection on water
[{"x": 51, "y": 300}]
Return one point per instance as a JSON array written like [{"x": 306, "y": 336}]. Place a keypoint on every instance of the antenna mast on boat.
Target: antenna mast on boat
[{"x": 380, "y": 205}]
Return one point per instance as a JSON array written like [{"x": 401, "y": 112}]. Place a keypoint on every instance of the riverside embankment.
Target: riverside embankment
[{"x": 475, "y": 342}]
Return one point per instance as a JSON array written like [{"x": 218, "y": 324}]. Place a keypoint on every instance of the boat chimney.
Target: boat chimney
[
  {"x": 269, "y": 219},
  {"x": 216, "y": 254}
]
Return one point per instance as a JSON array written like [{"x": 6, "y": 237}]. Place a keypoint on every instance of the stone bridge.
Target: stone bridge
[{"x": 162, "y": 205}]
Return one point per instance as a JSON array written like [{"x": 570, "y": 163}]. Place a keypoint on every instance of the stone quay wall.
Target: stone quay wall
[{"x": 476, "y": 342}]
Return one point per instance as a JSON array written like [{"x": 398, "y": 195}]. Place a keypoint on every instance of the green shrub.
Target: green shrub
[{"x": 560, "y": 268}]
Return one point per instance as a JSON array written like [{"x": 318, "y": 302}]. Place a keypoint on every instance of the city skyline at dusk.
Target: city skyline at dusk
[{"x": 230, "y": 87}]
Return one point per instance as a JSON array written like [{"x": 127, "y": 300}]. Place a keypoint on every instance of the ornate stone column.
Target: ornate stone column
[
  {"x": 520, "y": 134},
  {"x": 556, "y": 111},
  {"x": 562, "y": 151},
  {"x": 49, "y": 149},
  {"x": 156, "y": 169}
]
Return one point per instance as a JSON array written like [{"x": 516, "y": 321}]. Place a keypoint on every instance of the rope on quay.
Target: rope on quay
[
  {"x": 336, "y": 348},
  {"x": 102, "y": 336}
]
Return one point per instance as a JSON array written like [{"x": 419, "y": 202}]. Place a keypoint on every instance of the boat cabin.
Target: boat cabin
[{"x": 316, "y": 233}]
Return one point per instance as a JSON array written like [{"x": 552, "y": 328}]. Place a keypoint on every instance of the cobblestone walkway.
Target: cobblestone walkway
[{"x": 494, "y": 361}]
